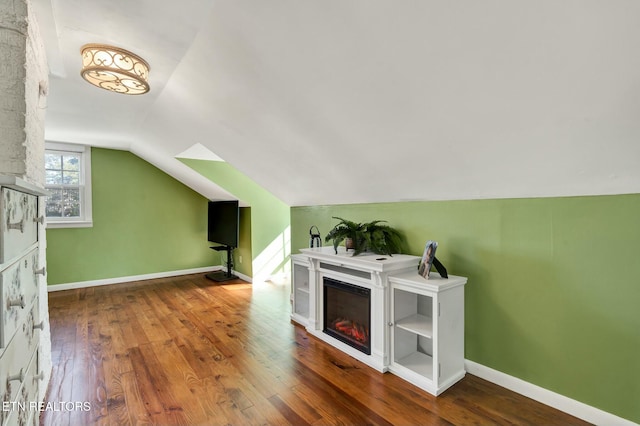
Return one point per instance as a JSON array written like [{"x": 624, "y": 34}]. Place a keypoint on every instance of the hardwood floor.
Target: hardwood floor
[{"x": 184, "y": 351}]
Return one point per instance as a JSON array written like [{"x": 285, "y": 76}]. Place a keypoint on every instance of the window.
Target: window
[{"x": 68, "y": 180}]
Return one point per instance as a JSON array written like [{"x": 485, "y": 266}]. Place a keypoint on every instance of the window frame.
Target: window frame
[{"x": 85, "y": 220}]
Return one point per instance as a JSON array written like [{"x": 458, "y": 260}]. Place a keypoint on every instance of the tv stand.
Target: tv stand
[{"x": 221, "y": 276}]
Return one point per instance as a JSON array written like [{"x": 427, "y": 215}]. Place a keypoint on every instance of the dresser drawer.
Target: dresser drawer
[
  {"x": 32, "y": 385},
  {"x": 18, "y": 223},
  {"x": 15, "y": 364},
  {"x": 25, "y": 410},
  {"x": 28, "y": 398},
  {"x": 19, "y": 285}
]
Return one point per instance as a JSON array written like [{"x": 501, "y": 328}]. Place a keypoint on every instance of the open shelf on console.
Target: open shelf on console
[
  {"x": 419, "y": 324},
  {"x": 419, "y": 363}
]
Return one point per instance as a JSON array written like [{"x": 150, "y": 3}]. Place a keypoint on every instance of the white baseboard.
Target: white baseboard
[
  {"x": 547, "y": 397},
  {"x": 242, "y": 276},
  {"x": 279, "y": 277},
  {"x": 119, "y": 280}
]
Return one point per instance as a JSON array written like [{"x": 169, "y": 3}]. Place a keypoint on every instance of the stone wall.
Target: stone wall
[
  {"x": 35, "y": 94},
  {"x": 23, "y": 93},
  {"x": 23, "y": 85}
]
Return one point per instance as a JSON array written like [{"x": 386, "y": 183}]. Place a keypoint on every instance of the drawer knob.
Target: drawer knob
[
  {"x": 42, "y": 271},
  {"x": 39, "y": 220},
  {"x": 16, "y": 302},
  {"x": 390, "y": 324},
  {"x": 19, "y": 377},
  {"x": 17, "y": 225},
  {"x": 39, "y": 376},
  {"x": 39, "y": 326}
]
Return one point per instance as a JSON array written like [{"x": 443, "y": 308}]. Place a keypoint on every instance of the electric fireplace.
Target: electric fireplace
[{"x": 347, "y": 313}]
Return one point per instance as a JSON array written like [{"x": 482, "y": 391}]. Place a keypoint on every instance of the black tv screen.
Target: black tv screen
[{"x": 223, "y": 225}]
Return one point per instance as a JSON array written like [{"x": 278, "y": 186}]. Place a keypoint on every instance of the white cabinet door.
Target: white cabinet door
[
  {"x": 412, "y": 336},
  {"x": 427, "y": 330},
  {"x": 300, "y": 290}
]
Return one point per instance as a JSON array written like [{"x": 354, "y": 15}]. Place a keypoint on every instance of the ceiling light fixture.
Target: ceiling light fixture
[{"x": 114, "y": 69}]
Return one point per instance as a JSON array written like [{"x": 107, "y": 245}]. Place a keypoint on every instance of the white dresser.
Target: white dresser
[{"x": 20, "y": 322}]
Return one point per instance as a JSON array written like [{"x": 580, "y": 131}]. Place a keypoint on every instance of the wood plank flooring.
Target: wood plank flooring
[{"x": 184, "y": 351}]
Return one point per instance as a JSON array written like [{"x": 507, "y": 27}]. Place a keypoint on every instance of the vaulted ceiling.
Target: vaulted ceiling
[{"x": 333, "y": 101}]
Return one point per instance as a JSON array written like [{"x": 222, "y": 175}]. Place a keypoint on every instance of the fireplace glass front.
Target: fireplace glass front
[{"x": 347, "y": 313}]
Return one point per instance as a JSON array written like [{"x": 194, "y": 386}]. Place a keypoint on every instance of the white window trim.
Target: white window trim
[{"x": 87, "y": 220}]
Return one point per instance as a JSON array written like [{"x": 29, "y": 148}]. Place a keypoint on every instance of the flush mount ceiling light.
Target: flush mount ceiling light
[{"x": 114, "y": 69}]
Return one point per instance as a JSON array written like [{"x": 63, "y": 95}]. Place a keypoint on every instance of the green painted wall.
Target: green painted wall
[
  {"x": 554, "y": 284},
  {"x": 270, "y": 239},
  {"x": 244, "y": 243},
  {"x": 144, "y": 221}
]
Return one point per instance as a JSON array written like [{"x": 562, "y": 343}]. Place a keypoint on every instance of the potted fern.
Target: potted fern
[{"x": 361, "y": 237}]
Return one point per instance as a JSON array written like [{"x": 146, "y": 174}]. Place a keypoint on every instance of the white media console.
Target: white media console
[{"x": 416, "y": 328}]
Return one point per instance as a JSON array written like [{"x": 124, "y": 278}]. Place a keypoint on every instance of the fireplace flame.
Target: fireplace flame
[{"x": 351, "y": 329}]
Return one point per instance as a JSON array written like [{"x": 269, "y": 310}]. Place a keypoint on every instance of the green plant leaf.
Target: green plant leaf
[{"x": 369, "y": 236}]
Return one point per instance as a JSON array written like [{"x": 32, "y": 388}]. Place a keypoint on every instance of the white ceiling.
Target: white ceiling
[{"x": 334, "y": 101}]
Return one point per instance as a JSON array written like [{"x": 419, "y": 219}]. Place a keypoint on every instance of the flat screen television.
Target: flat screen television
[{"x": 224, "y": 222}]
